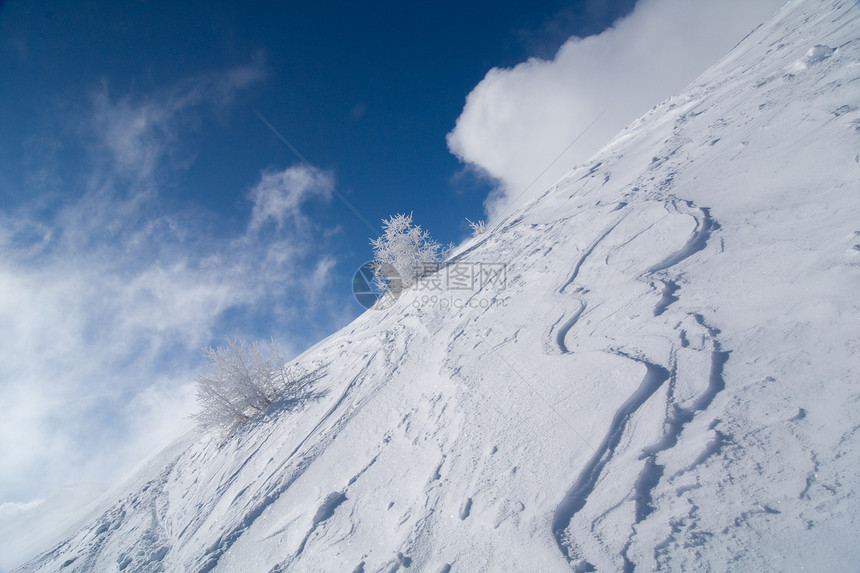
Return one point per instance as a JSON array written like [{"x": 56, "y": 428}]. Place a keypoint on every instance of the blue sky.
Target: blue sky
[{"x": 149, "y": 204}]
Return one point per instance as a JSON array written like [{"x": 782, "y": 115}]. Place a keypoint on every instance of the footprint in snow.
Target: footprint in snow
[{"x": 466, "y": 510}]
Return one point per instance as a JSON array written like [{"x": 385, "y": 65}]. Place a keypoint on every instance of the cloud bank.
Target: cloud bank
[{"x": 527, "y": 126}]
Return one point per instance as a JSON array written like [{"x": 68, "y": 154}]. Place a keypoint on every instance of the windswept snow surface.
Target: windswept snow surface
[{"x": 668, "y": 380}]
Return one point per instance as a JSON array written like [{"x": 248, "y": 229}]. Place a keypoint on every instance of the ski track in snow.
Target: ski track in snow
[
  {"x": 587, "y": 253},
  {"x": 577, "y": 495},
  {"x": 655, "y": 376},
  {"x": 565, "y": 328},
  {"x": 697, "y": 241}
]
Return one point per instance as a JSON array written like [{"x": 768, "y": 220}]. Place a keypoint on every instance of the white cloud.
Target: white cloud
[
  {"x": 517, "y": 121},
  {"x": 137, "y": 132},
  {"x": 84, "y": 332},
  {"x": 26, "y": 528},
  {"x": 109, "y": 302},
  {"x": 278, "y": 196},
  {"x": 106, "y": 299}
]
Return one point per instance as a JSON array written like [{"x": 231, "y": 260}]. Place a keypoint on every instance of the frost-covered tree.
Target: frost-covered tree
[
  {"x": 240, "y": 380},
  {"x": 478, "y": 227},
  {"x": 404, "y": 253}
]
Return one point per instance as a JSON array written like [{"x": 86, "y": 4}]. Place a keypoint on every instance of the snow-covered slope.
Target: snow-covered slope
[{"x": 669, "y": 379}]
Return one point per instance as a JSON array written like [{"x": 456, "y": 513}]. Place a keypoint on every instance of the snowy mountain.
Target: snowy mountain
[{"x": 653, "y": 366}]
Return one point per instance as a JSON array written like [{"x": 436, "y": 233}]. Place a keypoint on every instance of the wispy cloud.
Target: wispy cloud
[
  {"x": 278, "y": 196},
  {"x": 135, "y": 133},
  {"x": 517, "y": 121},
  {"x": 106, "y": 297}
]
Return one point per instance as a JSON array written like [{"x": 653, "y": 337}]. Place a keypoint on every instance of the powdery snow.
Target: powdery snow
[{"x": 667, "y": 381}]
